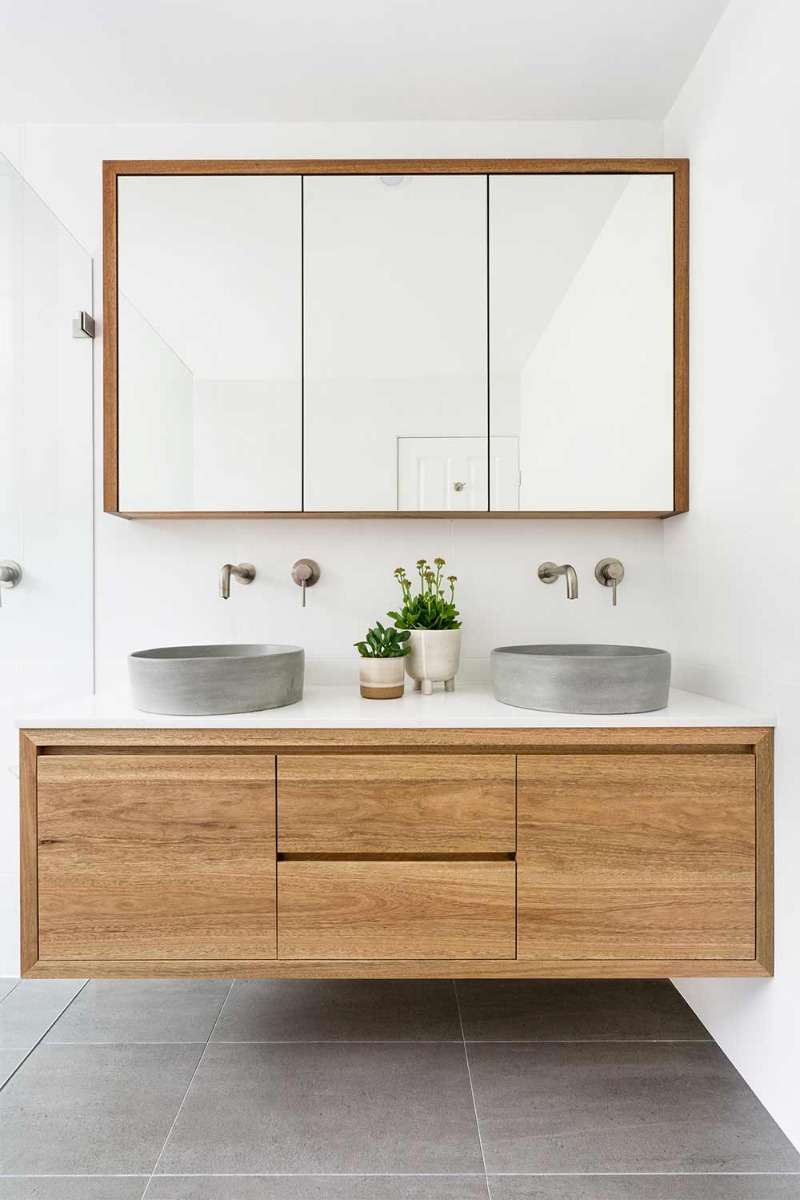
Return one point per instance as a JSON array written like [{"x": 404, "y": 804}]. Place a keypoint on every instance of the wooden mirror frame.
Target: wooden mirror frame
[{"x": 677, "y": 167}]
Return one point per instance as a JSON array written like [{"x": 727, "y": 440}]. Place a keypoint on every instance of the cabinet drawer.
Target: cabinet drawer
[
  {"x": 396, "y": 803},
  {"x": 637, "y": 856},
  {"x": 396, "y": 910},
  {"x": 149, "y": 856}
]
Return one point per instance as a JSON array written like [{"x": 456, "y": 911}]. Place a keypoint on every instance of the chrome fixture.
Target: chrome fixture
[
  {"x": 244, "y": 573},
  {"x": 549, "y": 573},
  {"x": 10, "y": 575},
  {"x": 610, "y": 572},
  {"x": 83, "y": 325},
  {"x": 305, "y": 573}
]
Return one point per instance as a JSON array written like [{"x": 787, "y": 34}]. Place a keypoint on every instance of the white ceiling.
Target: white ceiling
[{"x": 346, "y": 60}]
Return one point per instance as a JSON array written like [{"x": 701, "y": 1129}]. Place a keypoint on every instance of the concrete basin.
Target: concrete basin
[
  {"x": 582, "y": 678},
  {"x": 211, "y": 680}
]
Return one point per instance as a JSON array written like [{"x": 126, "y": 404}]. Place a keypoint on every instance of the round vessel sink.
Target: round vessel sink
[
  {"x": 211, "y": 680},
  {"x": 582, "y": 678}
]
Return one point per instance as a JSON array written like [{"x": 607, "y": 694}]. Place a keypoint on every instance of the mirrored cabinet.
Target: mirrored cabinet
[{"x": 466, "y": 338}]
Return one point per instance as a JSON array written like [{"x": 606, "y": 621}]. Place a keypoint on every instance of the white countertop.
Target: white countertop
[{"x": 471, "y": 706}]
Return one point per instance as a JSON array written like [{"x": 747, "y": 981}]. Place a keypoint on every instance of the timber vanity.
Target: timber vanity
[{"x": 452, "y": 837}]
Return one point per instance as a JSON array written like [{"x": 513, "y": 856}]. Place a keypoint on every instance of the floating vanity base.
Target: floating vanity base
[{"x": 397, "y": 853}]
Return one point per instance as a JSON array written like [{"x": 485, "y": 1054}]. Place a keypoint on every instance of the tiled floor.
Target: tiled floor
[{"x": 203, "y": 1090}]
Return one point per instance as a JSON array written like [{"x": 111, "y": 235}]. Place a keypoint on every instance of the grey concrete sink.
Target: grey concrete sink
[
  {"x": 582, "y": 678},
  {"x": 210, "y": 680}
]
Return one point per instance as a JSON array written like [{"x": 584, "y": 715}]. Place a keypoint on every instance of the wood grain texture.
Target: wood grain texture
[
  {"x": 396, "y": 910},
  {"x": 649, "y": 857},
  {"x": 680, "y": 348},
  {"x": 115, "y": 761},
  {"x": 765, "y": 885},
  {"x": 398, "y": 803},
  {"x": 112, "y": 170},
  {"x": 495, "y": 968},
  {"x": 153, "y": 857},
  {"x": 28, "y": 862},
  {"x": 388, "y": 166},
  {"x": 479, "y": 740}
]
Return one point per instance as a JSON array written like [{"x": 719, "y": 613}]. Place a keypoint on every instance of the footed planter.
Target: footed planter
[
  {"x": 382, "y": 678},
  {"x": 434, "y": 658}
]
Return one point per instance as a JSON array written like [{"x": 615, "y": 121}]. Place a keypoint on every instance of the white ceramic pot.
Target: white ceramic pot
[
  {"x": 381, "y": 678},
  {"x": 433, "y": 658}
]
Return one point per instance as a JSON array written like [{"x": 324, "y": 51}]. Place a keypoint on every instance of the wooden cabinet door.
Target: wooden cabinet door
[
  {"x": 368, "y": 910},
  {"x": 636, "y": 856},
  {"x": 156, "y": 856},
  {"x": 396, "y": 803}
]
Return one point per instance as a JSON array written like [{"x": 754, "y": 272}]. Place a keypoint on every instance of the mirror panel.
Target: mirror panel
[
  {"x": 581, "y": 340},
  {"x": 395, "y": 343},
  {"x": 209, "y": 330}
]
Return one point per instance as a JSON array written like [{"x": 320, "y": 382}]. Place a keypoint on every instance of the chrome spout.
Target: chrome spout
[
  {"x": 243, "y": 572},
  {"x": 550, "y": 571}
]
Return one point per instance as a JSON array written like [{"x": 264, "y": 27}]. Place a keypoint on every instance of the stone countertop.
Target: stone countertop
[{"x": 471, "y": 706}]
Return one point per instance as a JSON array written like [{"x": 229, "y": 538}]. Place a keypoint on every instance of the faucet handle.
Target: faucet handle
[
  {"x": 610, "y": 572},
  {"x": 305, "y": 573}
]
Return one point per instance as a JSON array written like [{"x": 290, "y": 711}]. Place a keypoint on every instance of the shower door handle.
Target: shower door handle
[{"x": 10, "y": 575}]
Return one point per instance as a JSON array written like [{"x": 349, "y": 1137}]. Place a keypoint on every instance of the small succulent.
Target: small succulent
[
  {"x": 381, "y": 642},
  {"x": 431, "y": 607}
]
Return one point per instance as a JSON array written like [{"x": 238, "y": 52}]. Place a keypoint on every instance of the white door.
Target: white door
[
  {"x": 449, "y": 474},
  {"x": 45, "y": 490}
]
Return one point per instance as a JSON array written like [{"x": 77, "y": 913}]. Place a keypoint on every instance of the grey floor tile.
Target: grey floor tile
[
  {"x": 339, "y": 1010},
  {"x": 520, "y": 1010},
  {"x": 316, "y": 1187},
  {"x": 6, "y": 986},
  {"x": 346, "y": 1108},
  {"x": 645, "y": 1187},
  {"x": 130, "y": 1187},
  {"x": 142, "y": 1010},
  {"x": 619, "y": 1107},
  {"x": 9, "y": 1061},
  {"x": 92, "y": 1109},
  {"x": 29, "y": 1011}
]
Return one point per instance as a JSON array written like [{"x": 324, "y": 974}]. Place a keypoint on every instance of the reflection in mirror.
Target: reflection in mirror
[
  {"x": 581, "y": 346},
  {"x": 395, "y": 343},
  {"x": 209, "y": 343}
]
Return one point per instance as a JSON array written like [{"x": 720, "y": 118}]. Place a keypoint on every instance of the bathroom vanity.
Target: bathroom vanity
[{"x": 441, "y": 836}]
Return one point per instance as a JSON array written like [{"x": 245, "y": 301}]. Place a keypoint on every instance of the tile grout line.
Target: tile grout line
[
  {"x": 37, "y": 1044},
  {"x": 422, "y": 1175},
  {"x": 188, "y": 1089},
  {"x": 472, "y": 1091},
  {"x": 391, "y": 1042}
]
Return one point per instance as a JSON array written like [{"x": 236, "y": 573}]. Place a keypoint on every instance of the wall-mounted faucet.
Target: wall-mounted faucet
[
  {"x": 550, "y": 571},
  {"x": 244, "y": 573}
]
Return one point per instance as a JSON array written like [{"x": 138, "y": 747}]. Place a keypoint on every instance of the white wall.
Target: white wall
[
  {"x": 733, "y": 562},
  {"x": 157, "y": 582}
]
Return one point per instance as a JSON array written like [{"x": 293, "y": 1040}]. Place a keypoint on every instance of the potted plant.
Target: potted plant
[
  {"x": 431, "y": 617},
  {"x": 382, "y": 654}
]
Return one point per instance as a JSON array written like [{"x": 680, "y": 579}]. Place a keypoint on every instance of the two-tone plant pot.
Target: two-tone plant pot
[
  {"x": 433, "y": 658},
  {"x": 382, "y": 678}
]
